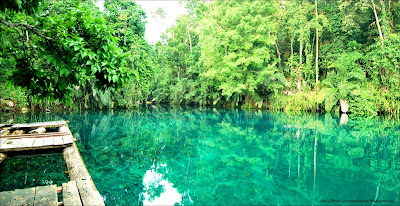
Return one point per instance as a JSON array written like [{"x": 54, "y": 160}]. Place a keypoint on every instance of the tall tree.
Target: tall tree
[
  {"x": 316, "y": 44},
  {"x": 58, "y": 50},
  {"x": 378, "y": 24},
  {"x": 127, "y": 19}
]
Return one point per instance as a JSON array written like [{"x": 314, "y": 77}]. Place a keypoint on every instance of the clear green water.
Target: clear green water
[
  {"x": 31, "y": 170},
  {"x": 218, "y": 157}
]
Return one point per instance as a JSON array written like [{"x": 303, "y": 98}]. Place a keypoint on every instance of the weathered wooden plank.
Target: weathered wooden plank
[
  {"x": 58, "y": 140},
  {"x": 24, "y": 197},
  {"x": 6, "y": 197},
  {"x": 71, "y": 194},
  {"x": 88, "y": 192},
  {"x": 2, "y": 140},
  {"x": 38, "y": 142},
  {"x": 48, "y": 134},
  {"x": 46, "y": 195},
  {"x": 64, "y": 129},
  {"x": 47, "y": 141},
  {"x": 28, "y": 124},
  {"x": 10, "y": 143},
  {"x": 74, "y": 162},
  {"x": 68, "y": 139},
  {"x": 40, "y": 124},
  {"x": 32, "y": 148},
  {"x": 26, "y": 142}
]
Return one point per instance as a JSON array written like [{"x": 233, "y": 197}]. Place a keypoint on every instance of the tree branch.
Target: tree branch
[{"x": 26, "y": 26}]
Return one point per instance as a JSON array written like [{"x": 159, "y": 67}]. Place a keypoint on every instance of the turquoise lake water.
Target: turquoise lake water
[{"x": 165, "y": 156}]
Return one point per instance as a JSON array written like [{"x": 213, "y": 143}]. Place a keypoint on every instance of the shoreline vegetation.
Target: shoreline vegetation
[{"x": 291, "y": 56}]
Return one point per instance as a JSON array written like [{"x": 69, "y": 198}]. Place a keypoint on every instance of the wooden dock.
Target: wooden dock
[
  {"x": 80, "y": 190},
  {"x": 20, "y": 137}
]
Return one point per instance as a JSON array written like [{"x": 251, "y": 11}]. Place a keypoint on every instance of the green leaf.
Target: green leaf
[
  {"x": 62, "y": 71},
  {"x": 115, "y": 78},
  {"x": 93, "y": 68}
]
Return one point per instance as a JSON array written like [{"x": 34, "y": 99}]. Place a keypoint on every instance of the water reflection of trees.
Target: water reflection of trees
[
  {"x": 252, "y": 158},
  {"x": 241, "y": 158}
]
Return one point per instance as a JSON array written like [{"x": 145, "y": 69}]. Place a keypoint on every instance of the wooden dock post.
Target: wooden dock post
[{"x": 77, "y": 171}]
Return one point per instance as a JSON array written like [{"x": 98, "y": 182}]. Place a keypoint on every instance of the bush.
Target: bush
[{"x": 15, "y": 95}]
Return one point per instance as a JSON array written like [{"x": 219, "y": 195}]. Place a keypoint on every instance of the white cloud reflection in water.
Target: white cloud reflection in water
[{"x": 159, "y": 191}]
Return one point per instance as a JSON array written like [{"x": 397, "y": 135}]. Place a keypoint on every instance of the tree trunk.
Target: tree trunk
[
  {"x": 391, "y": 16},
  {"x": 277, "y": 51},
  {"x": 298, "y": 83},
  {"x": 384, "y": 18},
  {"x": 301, "y": 53},
  {"x": 291, "y": 55},
  {"x": 344, "y": 105},
  {"x": 190, "y": 39},
  {"x": 344, "y": 119},
  {"x": 316, "y": 45},
  {"x": 377, "y": 22}
]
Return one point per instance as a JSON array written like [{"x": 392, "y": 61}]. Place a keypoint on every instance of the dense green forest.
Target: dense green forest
[{"x": 280, "y": 55}]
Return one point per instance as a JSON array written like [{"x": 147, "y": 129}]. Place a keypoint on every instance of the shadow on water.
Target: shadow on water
[{"x": 223, "y": 157}]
